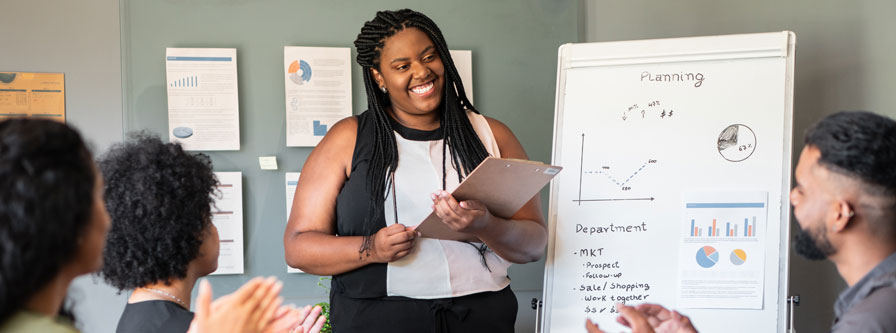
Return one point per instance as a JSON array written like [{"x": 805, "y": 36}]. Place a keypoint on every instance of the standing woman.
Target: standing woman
[{"x": 371, "y": 180}]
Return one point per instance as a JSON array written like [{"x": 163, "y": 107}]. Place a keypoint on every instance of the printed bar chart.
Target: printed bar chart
[
  {"x": 731, "y": 230},
  {"x": 714, "y": 227},
  {"x": 185, "y": 82},
  {"x": 728, "y": 254}
]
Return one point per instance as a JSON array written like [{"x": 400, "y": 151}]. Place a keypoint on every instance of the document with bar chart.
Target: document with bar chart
[
  {"x": 318, "y": 82},
  {"x": 721, "y": 257},
  {"x": 203, "y": 100}
]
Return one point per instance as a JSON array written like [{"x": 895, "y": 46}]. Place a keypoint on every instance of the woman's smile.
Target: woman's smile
[{"x": 423, "y": 90}]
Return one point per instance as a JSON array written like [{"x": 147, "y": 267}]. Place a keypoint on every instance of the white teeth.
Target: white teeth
[{"x": 422, "y": 89}]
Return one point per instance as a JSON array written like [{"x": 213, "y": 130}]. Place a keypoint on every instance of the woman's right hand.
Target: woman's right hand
[{"x": 392, "y": 243}]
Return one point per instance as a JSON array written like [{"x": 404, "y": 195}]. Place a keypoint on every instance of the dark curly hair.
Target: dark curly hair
[
  {"x": 47, "y": 179},
  {"x": 861, "y": 145},
  {"x": 158, "y": 197}
]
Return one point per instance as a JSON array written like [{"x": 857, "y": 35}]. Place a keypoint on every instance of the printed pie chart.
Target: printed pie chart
[
  {"x": 299, "y": 72},
  {"x": 738, "y": 257},
  {"x": 182, "y": 132},
  {"x": 707, "y": 256}
]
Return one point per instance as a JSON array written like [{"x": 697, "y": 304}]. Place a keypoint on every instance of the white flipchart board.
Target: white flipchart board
[{"x": 647, "y": 132}]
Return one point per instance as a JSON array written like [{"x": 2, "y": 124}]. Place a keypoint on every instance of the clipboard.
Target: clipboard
[{"x": 503, "y": 185}]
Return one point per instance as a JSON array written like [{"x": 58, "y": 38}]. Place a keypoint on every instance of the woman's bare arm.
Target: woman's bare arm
[{"x": 310, "y": 240}]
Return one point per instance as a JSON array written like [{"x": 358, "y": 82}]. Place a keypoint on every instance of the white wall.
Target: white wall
[
  {"x": 81, "y": 39},
  {"x": 844, "y": 61}
]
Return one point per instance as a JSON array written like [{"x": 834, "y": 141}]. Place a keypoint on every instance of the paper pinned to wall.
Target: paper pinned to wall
[
  {"x": 37, "y": 95},
  {"x": 203, "y": 101},
  {"x": 463, "y": 61},
  {"x": 292, "y": 181},
  {"x": 267, "y": 162},
  {"x": 318, "y": 83},
  {"x": 227, "y": 215}
]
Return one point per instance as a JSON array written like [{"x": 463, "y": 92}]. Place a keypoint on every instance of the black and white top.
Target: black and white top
[
  {"x": 154, "y": 316},
  {"x": 434, "y": 268}
]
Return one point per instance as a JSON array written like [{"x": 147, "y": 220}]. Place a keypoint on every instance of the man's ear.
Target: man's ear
[
  {"x": 378, "y": 77},
  {"x": 845, "y": 213}
]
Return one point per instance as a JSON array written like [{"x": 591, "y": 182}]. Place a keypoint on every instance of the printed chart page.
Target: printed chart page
[
  {"x": 203, "y": 104},
  {"x": 227, "y": 215},
  {"x": 720, "y": 258},
  {"x": 318, "y": 83}
]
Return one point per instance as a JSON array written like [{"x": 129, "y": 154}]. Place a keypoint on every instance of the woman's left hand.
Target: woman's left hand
[{"x": 468, "y": 216}]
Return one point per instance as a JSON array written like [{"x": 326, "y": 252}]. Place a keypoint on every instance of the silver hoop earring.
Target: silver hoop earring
[{"x": 383, "y": 89}]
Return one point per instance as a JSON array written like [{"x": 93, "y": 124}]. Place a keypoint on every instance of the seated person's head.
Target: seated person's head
[
  {"x": 53, "y": 221},
  {"x": 846, "y": 182},
  {"x": 159, "y": 201}
]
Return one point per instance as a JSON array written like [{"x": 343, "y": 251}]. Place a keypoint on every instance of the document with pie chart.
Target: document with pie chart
[
  {"x": 203, "y": 99},
  {"x": 721, "y": 255},
  {"x": 318, "y": 83}
]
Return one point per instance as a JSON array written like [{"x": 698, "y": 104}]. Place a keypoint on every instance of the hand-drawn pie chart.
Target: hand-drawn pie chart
[
  {"x": 707, "y": 256},
  {"x": 737, "y": 142},
  {"x": 738, "y": 257}
]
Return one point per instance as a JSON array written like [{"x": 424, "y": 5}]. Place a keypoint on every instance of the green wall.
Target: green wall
[{"x": 514, "y": 47}]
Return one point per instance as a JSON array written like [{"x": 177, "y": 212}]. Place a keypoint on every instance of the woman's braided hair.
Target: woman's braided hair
[{"x": 467, "y": 151}]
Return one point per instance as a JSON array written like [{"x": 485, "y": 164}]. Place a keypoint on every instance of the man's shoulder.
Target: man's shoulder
[{"x": 872, "y": 314}]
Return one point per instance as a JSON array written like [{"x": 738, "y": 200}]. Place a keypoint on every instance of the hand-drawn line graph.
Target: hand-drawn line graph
[{"x": 605, "y": 171}]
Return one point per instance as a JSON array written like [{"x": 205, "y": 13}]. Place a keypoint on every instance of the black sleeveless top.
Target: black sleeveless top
[
  {"x": 154, "y": 316},
  {"x": 352, "y": 205}
]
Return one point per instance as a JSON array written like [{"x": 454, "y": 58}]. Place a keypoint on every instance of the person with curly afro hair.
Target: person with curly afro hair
[{"x": 162, "y": 240}]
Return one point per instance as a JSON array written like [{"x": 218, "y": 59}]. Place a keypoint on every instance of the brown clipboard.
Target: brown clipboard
[{"x": 503, "y": 185}]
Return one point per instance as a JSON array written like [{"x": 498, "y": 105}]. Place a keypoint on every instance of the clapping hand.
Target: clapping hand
[
  {"x": 249, "y": 309},
  {"x": 648, "y": 318},
  {"x": 297, "y": 320}
]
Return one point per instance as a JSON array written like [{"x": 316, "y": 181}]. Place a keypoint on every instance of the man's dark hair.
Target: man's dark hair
[
  {"x": 47, "y": 179},
  {"x": 467, "y": 150},
  {"x": 158, "y": 197},
  {"x": 861, "y": 145}
]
